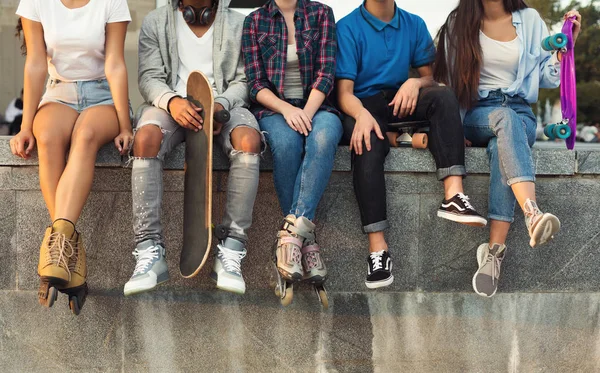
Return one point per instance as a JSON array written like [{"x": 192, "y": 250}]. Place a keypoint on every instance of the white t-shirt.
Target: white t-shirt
[
  {"x": 292, "y": 82},
  {"x": 500, "y": 63},
  {"x": 194, "y": 54},
  {"x": 12, "y": 111},
  {"x": 75, "y": 37}
]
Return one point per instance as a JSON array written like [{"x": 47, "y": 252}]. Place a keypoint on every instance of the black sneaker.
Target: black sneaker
[
  {"x": 460, "y": 210},
  {"x": 379, "y": 273}
]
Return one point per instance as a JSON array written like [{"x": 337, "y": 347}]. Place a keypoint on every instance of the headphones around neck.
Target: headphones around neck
[{"x": 197, "y": 16}]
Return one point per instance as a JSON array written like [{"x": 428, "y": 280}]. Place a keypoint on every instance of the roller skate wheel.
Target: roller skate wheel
[
  {"x": 286, "y": 300},
  {"x": 47, "y": 295},
  {"x": 52, "y": 296},
  {"x": 74, "y": 305},
  {"x": 419, "y": 141},
  {"x": 323, "y": 298}
]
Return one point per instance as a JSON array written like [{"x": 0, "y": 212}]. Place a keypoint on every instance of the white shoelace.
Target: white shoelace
[
  {"x": 144, "y": 258},
  {"x": 60, "y": 251},
  {"x": 465, "y": 201},
  {"x": 231, "y": 259},
  {"x": 376, "y": 260}
]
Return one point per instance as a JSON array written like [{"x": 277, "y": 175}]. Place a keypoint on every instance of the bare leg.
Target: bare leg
[
  {"x": 95, "y": 127},
  {"x": 498, "y": 231},
  {"x": 452, "y": 186},
  {"x": 52, "y": 128},
  {"x": 377, "y": 242},
  {"x": 524, "y": 191}
]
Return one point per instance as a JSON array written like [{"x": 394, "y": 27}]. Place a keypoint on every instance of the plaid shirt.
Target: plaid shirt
[{"x": 264, "y": 45}]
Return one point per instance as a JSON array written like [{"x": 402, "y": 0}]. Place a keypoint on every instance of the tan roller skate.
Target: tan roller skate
[
  {"x": 76, "y": 288},
  {"x": 53, "y": 266}
]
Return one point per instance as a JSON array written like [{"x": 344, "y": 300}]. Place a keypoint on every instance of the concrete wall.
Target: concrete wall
[{"x": 544, "y": 318}]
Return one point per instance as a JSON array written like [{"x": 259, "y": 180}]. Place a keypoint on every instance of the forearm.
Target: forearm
[
  {"x": 315, "y": 100},
  {"x": 116, "y": 74},
  {"x": 426, "y": 81},
  {"x": 350, "y": 104},
  {"x": 34, "y": 79},
  {"x": 268, "y": 99}
]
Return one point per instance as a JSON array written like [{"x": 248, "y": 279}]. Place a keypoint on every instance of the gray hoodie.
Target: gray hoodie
[{"x": 159, "y": 58}]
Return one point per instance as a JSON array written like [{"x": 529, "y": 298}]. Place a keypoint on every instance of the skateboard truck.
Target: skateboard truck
[{"x": 408, "y": 134}]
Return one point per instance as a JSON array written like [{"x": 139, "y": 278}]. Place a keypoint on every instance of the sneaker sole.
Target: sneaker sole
[
  {"x": 143, "y": 288},
  {"x": 380, "y": 284},
  {"x": 474, "y": 221},
  {"x": 225, "y": 285},
  {"x": 545, "y": 230},
  {"x": 480, "y": 258}
]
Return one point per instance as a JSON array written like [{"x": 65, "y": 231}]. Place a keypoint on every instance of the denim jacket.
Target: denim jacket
[{"x": 537, "y": 68}]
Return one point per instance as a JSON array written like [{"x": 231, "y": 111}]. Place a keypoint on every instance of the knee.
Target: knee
[
  {"x": 84, "y": 137},
  {"x": 324, "y": 142},
  {"x": 502, "y": 118},
  {"x": 147, "y": 141},
  {"x": 50, "y": 140},
  {"x": 378, "y": 152},
  {"x": 444, "y": 97},
  {"x": 246, "y": 139}
]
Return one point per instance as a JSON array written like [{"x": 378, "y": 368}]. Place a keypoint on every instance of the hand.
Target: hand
[
  {"x": 217, "y": 126},
  {"x": 22, "y": 144},
  {"x": 124, "y": 141},
  {"x": 186, "y": 114},
  {"x": 468, "y": 143},
  {"x": 405, "y": 101},
  {"x": 365, "y": 124},
  {"x": 297, "y": 119},
  {"x": 576, "y": 23}
]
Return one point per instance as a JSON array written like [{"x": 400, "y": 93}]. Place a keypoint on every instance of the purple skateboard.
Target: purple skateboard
[{"x": 567, "y": 128}]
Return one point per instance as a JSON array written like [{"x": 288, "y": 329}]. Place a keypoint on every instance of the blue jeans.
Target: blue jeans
[
  {"x": 506, "y": 125},
  {"x": 302, "y": 164}
]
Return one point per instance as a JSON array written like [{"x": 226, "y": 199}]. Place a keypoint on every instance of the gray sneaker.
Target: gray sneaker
[
  {"x": 541, "y": 226},
  {"x": 150, "y": 269},
  {"x": 485, "y": 280},
  {"x": 227, "y": 271}
]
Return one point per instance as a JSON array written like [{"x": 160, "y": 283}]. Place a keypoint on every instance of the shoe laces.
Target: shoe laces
[
  {"x": 144, "y": 258},
  {"x": 231, "y": 259},
  {"x": 60, "y": 249},
  {"x": 376, "y": 259},
  {"x": 496, "y": 263},
  {"x": 465, "y": 200},
  {"x": 532, "y": 213}
]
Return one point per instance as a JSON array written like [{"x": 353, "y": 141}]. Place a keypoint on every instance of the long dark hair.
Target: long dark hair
[
  {"x": 459, "y": 57},
  {"x": 18, "y": 30}
]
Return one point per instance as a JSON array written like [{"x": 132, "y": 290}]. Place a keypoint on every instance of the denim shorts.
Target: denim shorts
[{"x": 78, "y": 95}]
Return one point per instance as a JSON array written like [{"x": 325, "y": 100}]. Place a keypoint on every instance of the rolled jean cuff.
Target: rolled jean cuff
[
  {"x": 521, "y": 179},
  {"x": 376, "y": 227},
  {"x": 458, "y": 170},
  {"x": 508, "y": 219}
]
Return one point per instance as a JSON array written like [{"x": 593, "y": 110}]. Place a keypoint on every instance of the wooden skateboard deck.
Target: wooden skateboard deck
[{"x": 197, "y": 196}]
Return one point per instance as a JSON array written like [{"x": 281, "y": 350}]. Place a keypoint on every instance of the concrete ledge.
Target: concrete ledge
[
  {"x": 549, "y": 159},
  {"x": 366, "y": 333}
]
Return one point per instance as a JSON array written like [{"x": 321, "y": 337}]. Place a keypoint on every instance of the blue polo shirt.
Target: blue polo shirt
[{"x": 377, "y": 55}]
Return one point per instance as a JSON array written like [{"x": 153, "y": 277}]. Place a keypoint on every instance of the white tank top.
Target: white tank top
[
  {"x": 292, "y": 83},
  {"x": 500, "y": 63}
]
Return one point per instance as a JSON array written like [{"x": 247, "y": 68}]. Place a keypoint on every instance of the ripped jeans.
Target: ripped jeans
[
  {"x": 302, "y": 164},
  {"x": 147, "y": 176}
]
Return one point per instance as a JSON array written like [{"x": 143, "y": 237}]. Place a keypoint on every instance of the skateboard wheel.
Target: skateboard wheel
[
  {"x": 222, "y": 116},
  {"x": 549, "y": 131},
  {"x": 555, "y": 42},
  {"x": 562, "y": 131},
  {"x": 420, "y": 140},
  {"x": 393, "y": 138},
  {"x": 221, "y": 232}
]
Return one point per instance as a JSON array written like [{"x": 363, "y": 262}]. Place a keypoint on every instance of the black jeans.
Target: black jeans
[{"x": 440, "y": 107}]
